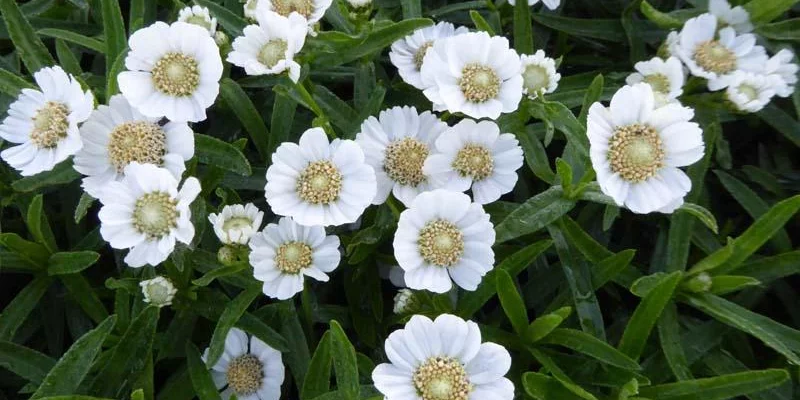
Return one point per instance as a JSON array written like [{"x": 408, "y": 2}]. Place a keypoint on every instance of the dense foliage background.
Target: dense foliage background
[{"x": 73, "y": 320}]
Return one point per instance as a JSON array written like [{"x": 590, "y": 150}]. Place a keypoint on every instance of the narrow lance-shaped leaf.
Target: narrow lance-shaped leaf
[
  {"x": 28, "y": 45},
  {"x": 591, "y": 346},
  {"x": 318, "y": 378},
  {"x": 512, "y": 302},
  {"x": 646, "y": 315},
  {"x": 15, "y": 313},
  {"x": 719, "y": 387},
  {"x": 240, "y": 103},
  {"x": 523, "y": 32},
  {"x": 199, "y": 374},
  {"x": 344, "y": 363},
  {"x": 114, "y": 28},
  {"x": 26, "y": 363},
  {"x": 233, "y": 311}
]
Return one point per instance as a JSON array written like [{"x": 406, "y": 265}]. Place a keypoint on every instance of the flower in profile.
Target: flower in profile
[
  {"x": 666, "y": 78},
  {"x": 270, "y": 46},
  {"x": 44, "y": 123},
  {"x": 539, "y": 74},
  {"x": 670, "y": 46},
  {"x": 319, "y": 182},
  {"x": 736, "y": 17},
  {"x": 637, "y": 148},
  {"x": 404, "y": 302},
  {"x": 311, "y": 10},
  {"x": 408, "y": 53},
  {"x": 146, "y": 213},
  {"x": 474, "y": 74},
  {"x": 173, "y": 71},
  {"x": 551, "y": 4},
  {"x": 236, "y": 223},
  {"x": 749, "y": 92},
  {"x": 158, "y": 291},
  {"x": 199, "y": 16},
  {"x": 443, "y": 359},
  {"x": 781, "y": 66},
  {"x": 117, "y": 135}
]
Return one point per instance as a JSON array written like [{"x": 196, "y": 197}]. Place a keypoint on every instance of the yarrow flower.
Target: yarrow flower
[
  {"x": 408, "y": 53},
  {"x": 403, "y": 302},
  {"x": 320, "y": 183},
  {"x": 173, "y": 71},
  {"x": 236, "y": 223},
  {"x": 270, "y": 46},
  {"x": 284, "y": 253},
  {"x": 781, "y": 65},
  {"x": 146, "y": 213},
  {"x": 736, "y": 17},
  {"x": 670, "y": 46},
  {"x": 44, "y": 123},
  {"x": 443, "y": 359},
  {"x": 396, "y": 145},
  {"x": 311, "y": 10},
  {"x": 539, "y": 74},
  {"x": 158, "y": 291},
  {"x": 474, "y": 155},
  {"x": 637, "y": 147},
  {"x": 117, "y": 135},
  {"x": 749, "y": 92},
  {"x": 666, "y": 78},
  {"x": 444, "y": 237},
  {"x": 248, "y": 368},
  {"x": 199, "y": 16},
  {"x": 551, "y": 4},
  {"x": 473, "y": 73}
]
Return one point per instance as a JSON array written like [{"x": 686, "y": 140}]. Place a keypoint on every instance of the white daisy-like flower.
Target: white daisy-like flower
[
  {"x": 320, "y": 183},
  {"x": 551, "y": 4},
  {"x": 443, "y": 359},
  {"x": 407, "y": 53},
  {"x": 311, "y": 10},
  {"x": 670, "y": 46},
  {"x": 199, "y": 16},
  {"x": 158, "y": 291},
  {"x": 751, "y": 92},
  {"x": 146, "y": 213},
  {"x": 117, "y": 135},
  {"x": 475, "y": 155},
  {"x": 539, "y": 74},
  {"x": 444, "y": 235},
  {"x": 270, "y": 46},
  {"x": 637, "y": 147},
  {"x": 736, "y": 17},
  {"x": 403, "y": 301},
  {"x": 666, "y": 78},
  {"x": 782, "y": 66},
  {"x": 236, "y": 223},
  {"x": 717, "y": 57},
  {"x": 44, "y": 123},
  {"x": 248, "y": 368},
  {"x": 396, "y": 145},
  {"x": 473, "y": 73},
  {"x": 284, "y": 253},
  {"x": 173, "y": 71}
]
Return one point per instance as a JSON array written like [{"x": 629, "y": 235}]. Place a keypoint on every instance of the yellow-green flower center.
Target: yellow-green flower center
[
  {"x": 319, "y": 183},
  {"x": 748, "y": 91},
  {"x": 293, "y": 257},
  {"x": 479, "y": 83},
  {"x": 712, "y": 56},
  {"x": 442, "y": 378},
  {"x": 636, "y": 152},
  {"x": 199, "y": 20},
  {"x": 441, "y": 243},
  {"x": 419, "y": 56},
  {"x": 176, "y": 74},
  {"x": 286, "y": 7},
  {"x": 245, "y": 375},
  {"x": 50, "y": 125},
  {"x": 659, "y": 82},
  {"x": 272, "y": 52},
  {"x": 141, "y": 141},
  {"x": 155, "y": 214},
  {"x": 404, "y": 159},
  {"x": 237, "y": 223},
  {"x": 535, "y": 79},
  {"x": 475, "y": 161}
]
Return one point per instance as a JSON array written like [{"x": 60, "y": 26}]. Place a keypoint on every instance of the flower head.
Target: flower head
[
  {"x": 311, "y": 10},
  {"x": 403, "y": 301},
  {"x": 270, "y": 46},
  {"x": 783, "y": 67},
  {"x": 736, "y": 17},
  {"x": 666, "y": 78},
  {"x": 551, "y": 4},
  {"x": 749, "y": 92},
  {"x": 199, "y": 16},
  {"x": 235, "y": 224},
  {"x": 408, "y": 53},
  {"x": 248, "y": 368},
  {"x": 539, "y": 74},
  {"x": 158, "y": 291}
]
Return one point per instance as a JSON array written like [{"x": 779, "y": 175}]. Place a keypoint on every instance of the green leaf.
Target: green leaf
[
  {"x": 523, "y": 31},
  {"x": 783, "y": 30},
  {"x": 34, "y": 253},
  {"x": 227, "y": 270},
  {"x": 114, "y": 30},
  {"x": 544, "y": 325},
  {"x": 117, "y": 66},
  {"x": 535, "y": 156},
  {"x": 769, "y": 269},
  {"x": 646, "y": 315},
  {"x": 670, "y": 339},
  {"x": 713, "y": 260},
  {"x": 550, "y": 365},
  {"x": 318, "y": 378},
  {"x": 80, "y": 40},
  {"x": 762, "y": 11},
  {"x": 663, "y": 20},
  {"x": 283, "y": 111},
  {"x": 543, "y": 387},
  {"x": 212, "y": 151},
  {"x": 781, "y": 121},
  {"x": 233, "y": 311},
  {"x": 251, "y": 120},
  {"x": 593, "y": 95},
  {"x": 28, "y": 45},
  {"x": 83, "y": 294},
  {"x": 227, "y": 19},
  {"x": 12, "y": 84},
  {"x": 84, "y": 204},
  {"x": 344, "y": 363},
  {"x": 724, "y": 284},
  {"x": 15, "y": 313},
  {"x": 702, "y": 214},
  {"x": 536, "y": 213},
  {"x": 512, "y": 302},
  {"x": 27, "y": 363},
  {"x": 591, "y": 346},
  {"x": 595, "y": 28},
  {"x": 374, "y": 42},
  {"x": 564, "y": 172},
  {"x": 719, "y": 387},
  {"x": 71, "y": 262},
  {"x": 198, "y": 372},
  {"x": 254, "y": 326},
  {"x": 411, "y": 8},
  {"x": 61, "y": 174},
  {"x": 39, "y": 226},
  {"x": 480, "y": 22},
  {"x": 563, "y": 120}
]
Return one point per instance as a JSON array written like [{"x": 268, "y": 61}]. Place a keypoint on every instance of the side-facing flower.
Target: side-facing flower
[
  {"x": 736, "y": 17},
  {"x": 444, "y": 237},
  {"x": 749, "y": 92},
  {"x": 782, "y": 66},
  {"x": 158, "y": 291},
  {"x": 539, "y": 74},
  {"x": 117, "y": 135},
  {"x": 475, "y": 155},
  {"x": 670, "y": 46},
  {"x": 443, "y": 359},
  {"x": 44, "y": 123},
  {"x": 551, "y": 4},
  {"x": 404, "y": 302},
  {"x": 284, "y": 253},
  {"x": 311, "y": 10},
  {"x": 199, "y": 16},
  {"x": 473, "y": 73},
  {"x": 408, "y": 53},
  {"x": 320, "y": 183},
  {"x": 270, "y": 46},
  {"x": 636, "y": 149},
  {"x": 146, "y": 213},
  {"x": 666, "y": 78},
  {"x": 236, "y": 223},
  {"x": 173, "y": 71}
]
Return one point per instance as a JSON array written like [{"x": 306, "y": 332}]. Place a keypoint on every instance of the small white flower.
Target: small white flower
[
  {"x": 473, "y": 73},
  {"x": 117, "y": 134},
  {"x": 396, "y": 145},
  {"x": 551, "y": 4},
  {"x": 670, "y": 46},
  {"x": 237, "y": 223},
  {"x": 250, "y": 8},
  {"x": 444, "y": 235},
  {"x": 311, "y": 10},
  {"x": 475, "y": 155},
  {"x": 173, "y": 71},
  {"x": 781, "y": 65},
  {"x": 145, "y": 212},
  {"x": 539, "y": 74},
  {"x": 158, "y": 291},
  {"x": 270, "y": 46},
  {"x": 320, "y": 183},
  {"x": 443, "y": 359},
  {"x": 636, "y": 149},
  {"x": 407, "y": 53},
  {"x": 284, "y": 253},
  {"x": 359, "y": 3},
  {"x": 199, "y": 16},
  {"x": 751, "y": 92},
  {"x": 248, "y": 368},
  {"x": 737, "y": 17},
  {"x": 666, "y": 78},
  {"x": 45, "y": 122},
  {"x": 403, "y": 301}
]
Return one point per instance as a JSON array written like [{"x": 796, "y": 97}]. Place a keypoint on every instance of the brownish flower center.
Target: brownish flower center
[
  {"x": 140, "y": 141},
  {"x": 636, "y": 152},
  {"x": 442, "y": 378},
  {"x": 441, "y": 243},
  {"x": 479, "y": 83},
  {"x": 176, "y": 74},
  {"x": 50, "y": 125}
]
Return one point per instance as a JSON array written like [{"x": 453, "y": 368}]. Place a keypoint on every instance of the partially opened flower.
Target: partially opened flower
[
  {"x": 539, "y": 74},
  {"x": 236, "y": 223},
  {"x": 248, "y": 368},
  {"x": 637, "y": 148},
  {"x": 311, "y": 10},
  {"x": 670, "y": 46},
  {"x": 666, "y": 78},
  {"x": 736, "y": 17},
  {"x": 407, "y": 53},
  {"x": 749, "y": 92},
  {"x": 270, "y": 46},
  {"x": 173, "y": 71},
  {"x": 198, "y": 16},
  {"x": 443, "y": 359},
  {"x": 158, "y": 291},
  {"x": 551, "y": 4},
  {"x": 250, "y": 8},
  {"x": 44, "y": 123},
  {"x": 782, "y": 66}
]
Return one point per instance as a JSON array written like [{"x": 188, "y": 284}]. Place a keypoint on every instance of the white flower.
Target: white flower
[
  {"x": 320, "y": 183},
  {"x": 396, "y": 145},
  {"x": 473, "y": 73},
  {"x": 270, "y": 46},
  {"x": 248, "y": 368},
  {"x": 45, "y": 122},
  {"x": 173, "y": 71},
  {"x": 444, "y": 235},
  {"x": 237, "y": 223},
  {"x": 117, "y": 134},
  {"x": 539, "y": 74},
  {"x": 551, "y": 4},
  {"x": 250, "y": 8},
  {"x": 475, "y": 155},
  {"x": 312, "y": 10},
  {"x": 403, "y": 301},
  {"x": 670, "y": 46},
  {"x": 359, "y": 3},
  {"x": 443, "y": 359},
  {"x": 717, "y": 58},
  {"x": 737, "y": 17},
  {"x": 751, "y": 92},
  {"x": 158, "y": 291},
  {"x": 198, "y": 16},
  {"x": 636, "y": 149},
  {"x": 666, "y": 78},
  {"x": 285, "y": 252},
  {"x": 407, "y": 53},
  {"x": 145, "y": 212},
  {"x": 781, "y": 66}
]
